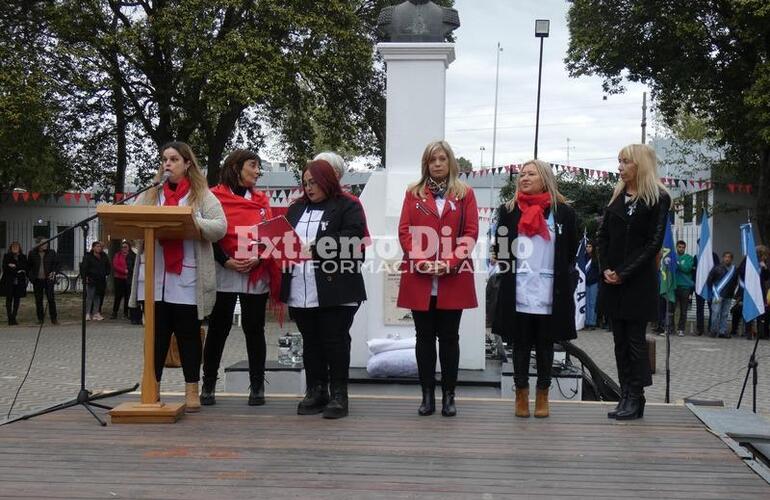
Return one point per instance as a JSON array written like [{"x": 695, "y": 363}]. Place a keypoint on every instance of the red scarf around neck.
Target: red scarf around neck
[
  {"x": 173, "y": 250},
  {"x": 240, "y": 211},
  {"x": 532, "y": 221}
]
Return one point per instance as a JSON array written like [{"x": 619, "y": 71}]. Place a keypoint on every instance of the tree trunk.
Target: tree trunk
[
  {"x": 763, "y": 196},
  {"x": 217, "y": 142},
  {"x": 119, "y": 106}
]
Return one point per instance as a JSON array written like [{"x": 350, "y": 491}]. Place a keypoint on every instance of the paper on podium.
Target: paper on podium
[{"x": 275, "y": 238}]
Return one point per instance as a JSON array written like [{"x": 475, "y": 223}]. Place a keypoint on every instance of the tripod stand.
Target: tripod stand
[
  {"x": 752, "y": 368},
  {"x": 85, "y": 397}
]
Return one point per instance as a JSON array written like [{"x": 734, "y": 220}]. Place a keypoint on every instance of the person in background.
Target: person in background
[
  {"x": 684, "y": 286},
  {"x": 247, "y": 279},
  {"x": 536, "y": 305},
  {"x": 338, "y": 164},
  {"x": 592, "y": 286},
  {"x": 630, "y": 238},
  {"x": 723, "y": 280},
  {"x": 43, "y": 266},
  {"x": 122, "y": 265},
  {"x": 14, "y": 280},
  {"x": 754, "y": 327},
  {"x": 185, "y": 278},
  {"x": 324, "y": 292},
  {"x": 95, "y": 268},
  {"x": 437, "y": 283}
]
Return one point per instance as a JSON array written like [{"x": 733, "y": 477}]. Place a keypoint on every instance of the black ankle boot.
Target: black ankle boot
[
  {"x": 257, "y": 393},
  {"x": 634, "y": 407},
  {"x": 316, "y": 399},
  {"x": 621, "y": 403},
  {"x": 338, "y": 404},
  {"x": 428, "y": 405},
  {"x": 448, "y": 408},
  {"x": 208, "y": 388}
]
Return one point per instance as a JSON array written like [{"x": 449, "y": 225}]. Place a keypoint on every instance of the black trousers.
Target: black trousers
[
  {"x": 700, "y": 314},
  {"x": 42, "y": 287},
  {"x": 683, "y": 304},
  {"x": 220, "y": 324},
  {"x": 122, "y": 292},
  {"x": 533, "y": 331},
  {"x": 631, "y": 355},
  {"x": 325, "y": 342},
  {"x": 12, "y": 305},
  {"x": 444, "y": 325},
  {"x": 181, "y": 320}
]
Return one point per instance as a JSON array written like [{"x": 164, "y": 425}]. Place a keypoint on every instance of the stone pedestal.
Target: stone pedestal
[{"x": 416, "y": 101}]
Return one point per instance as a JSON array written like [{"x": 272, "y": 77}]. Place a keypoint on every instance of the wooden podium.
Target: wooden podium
[{"x": 148, "y": 223}]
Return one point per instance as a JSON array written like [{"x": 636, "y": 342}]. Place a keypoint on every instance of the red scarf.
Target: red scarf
[
  {"x": 173, "y": 250},
  {"x": 532, "y": 221},
  {"x": 240, "y": 211}
]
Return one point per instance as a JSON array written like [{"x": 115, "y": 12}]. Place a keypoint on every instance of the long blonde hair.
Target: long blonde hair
[
  {"x": 549, "y": 182},
  {"x": 198, "y": 184},
  {"x": 455, "y": 186},
  {"x": 648, "y": 185}
]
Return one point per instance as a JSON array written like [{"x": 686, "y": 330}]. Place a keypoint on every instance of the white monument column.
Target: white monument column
[{"x": 415, "y": 113}]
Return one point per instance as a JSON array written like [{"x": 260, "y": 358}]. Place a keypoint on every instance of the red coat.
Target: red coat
[{"x": 456, "y": 290}]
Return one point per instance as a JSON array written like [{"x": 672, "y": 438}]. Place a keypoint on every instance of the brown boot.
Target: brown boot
[
  {"x": 541, "y": 403},
  {"x": 522, "y": 402},
  {"x": 191, "y": 399}
]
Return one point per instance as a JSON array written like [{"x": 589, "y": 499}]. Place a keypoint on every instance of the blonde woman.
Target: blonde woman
[
  {"x": 185, "y": 279},
  {"x": 535, "y": 246},
  {"x": 630, "y": 237},
  {"x": 437, "y": 284}
]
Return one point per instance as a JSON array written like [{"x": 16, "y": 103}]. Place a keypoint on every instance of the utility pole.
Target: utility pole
[
  {"x": 494, "y": 126},
  {"x": 644, "y": 117},
  {"x": 567, "y": 151}
]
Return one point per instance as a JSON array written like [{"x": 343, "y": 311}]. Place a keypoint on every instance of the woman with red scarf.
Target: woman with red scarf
[
  {"x": 437, "y": 279},
  {"x": 535, "y": 246},
  {"x": 185, "y": 280},
  {"x": 240, "y": 276}
]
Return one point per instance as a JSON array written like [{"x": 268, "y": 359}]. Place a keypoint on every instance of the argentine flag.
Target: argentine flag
[
  {"x": 705, "y": 260},
  {"x": 581, "y": 259},
  {"x": 753, "y": 301}
]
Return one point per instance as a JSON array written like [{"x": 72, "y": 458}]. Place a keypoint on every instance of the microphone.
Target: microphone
[{"x": 163, "y": 179}]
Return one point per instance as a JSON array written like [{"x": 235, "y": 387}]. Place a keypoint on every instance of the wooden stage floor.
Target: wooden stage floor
[{"x": 382, "y": 450}]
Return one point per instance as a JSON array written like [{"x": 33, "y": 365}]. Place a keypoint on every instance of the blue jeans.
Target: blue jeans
[
  {"x": 720, "y": 314},
  {"x": 591, "y": 293}
]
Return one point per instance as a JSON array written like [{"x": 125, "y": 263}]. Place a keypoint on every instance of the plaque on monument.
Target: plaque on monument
[
  {"x": 392, "y": 314},
  {"x": 417, "y": 21}
]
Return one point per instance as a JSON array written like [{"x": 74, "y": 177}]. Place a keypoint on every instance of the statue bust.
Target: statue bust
[{"x": 417, "y": 21}]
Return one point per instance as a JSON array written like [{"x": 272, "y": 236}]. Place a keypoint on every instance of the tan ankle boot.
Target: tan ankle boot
[
  {"x": 522, "y": 402},
  {"x": 191, "y": 399},
  {"x": 541, "y": 403}
]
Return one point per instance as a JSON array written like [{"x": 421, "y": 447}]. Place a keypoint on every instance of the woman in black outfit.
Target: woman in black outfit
[
  {"x": 324, "y": 292},
  {"x": 14, "y": 281},
  {"x": 630, "y": 237}
]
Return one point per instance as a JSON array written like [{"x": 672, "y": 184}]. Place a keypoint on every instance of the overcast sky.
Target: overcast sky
[{"x": 569, "y": 107}]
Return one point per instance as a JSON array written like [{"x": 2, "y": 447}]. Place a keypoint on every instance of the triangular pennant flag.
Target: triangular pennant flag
[
  {"x": 16, "y": 196},
  {"x": 87, "y": 196},
  {"x": 35, "y": 196},
  {"x": 118, "y": 197},
  {"x": 25, "y": 195},
  {"x": 731, "y": 187},
  {"x": 748, "y": 188},
  {"x": 77, "y": 197},
  {"x": 67, "y": 198}
]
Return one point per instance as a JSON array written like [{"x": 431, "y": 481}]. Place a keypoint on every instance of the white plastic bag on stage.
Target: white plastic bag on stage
[
  {"x": 377, "y": 346},
  {"x": 399, "y": 363}
]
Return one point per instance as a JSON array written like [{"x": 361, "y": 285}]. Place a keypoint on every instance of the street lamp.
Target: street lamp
[
  {"x": 481, "y": 160},
  {"x": 542, "y": 27},
  {"x": 494, "y": 125}
]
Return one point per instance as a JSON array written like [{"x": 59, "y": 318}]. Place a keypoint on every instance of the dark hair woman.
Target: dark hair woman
[
  {"x": 95, "y": 269},
  {"x": 437, "y": 285},
  {"x": 185, "y": 279},
  {"x": 325, "y": 291},
  {"x": 13, "y": 284},
  {"x": 240, "y": 276},
  {"x": 535, "y": 245},
  {"x": 630, "y": 237}
]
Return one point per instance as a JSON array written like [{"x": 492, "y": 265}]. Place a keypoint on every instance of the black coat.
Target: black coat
[
  {"x": 13, "y": 282},
  {"x": 565, "y": 275},
  {"x": 96, "y": 271},
  {"x": 629, "y": 244},
  {"x": 336, "y": 284},
  {"x": 50, "y": 263}
]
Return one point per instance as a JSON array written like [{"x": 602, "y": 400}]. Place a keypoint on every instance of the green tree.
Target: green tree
[
  {"x": 464, "y": 164},
  {"x": 710, "y": 58}
]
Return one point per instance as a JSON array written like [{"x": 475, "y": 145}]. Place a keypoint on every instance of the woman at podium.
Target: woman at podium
[
  {"x": 437, "y": 281},
  {"x": 241, "y": 275},
  {"x": 535, "y": 246},
  {"x": 325, "y": 291},
  {"x": 185, "y": 277}
]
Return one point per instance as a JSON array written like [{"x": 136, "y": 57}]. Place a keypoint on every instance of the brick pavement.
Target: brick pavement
[{"x": 714, "y": 368}]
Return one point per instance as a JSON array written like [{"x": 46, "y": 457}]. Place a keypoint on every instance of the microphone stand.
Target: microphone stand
[
  {"x": 85, "y": 398},
  {"x": 752, "y": 368}
]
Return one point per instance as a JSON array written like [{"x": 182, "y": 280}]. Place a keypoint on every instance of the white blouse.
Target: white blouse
[
  {"x": 534, "y": 272},
  {"x": 304, "y": 292}
]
